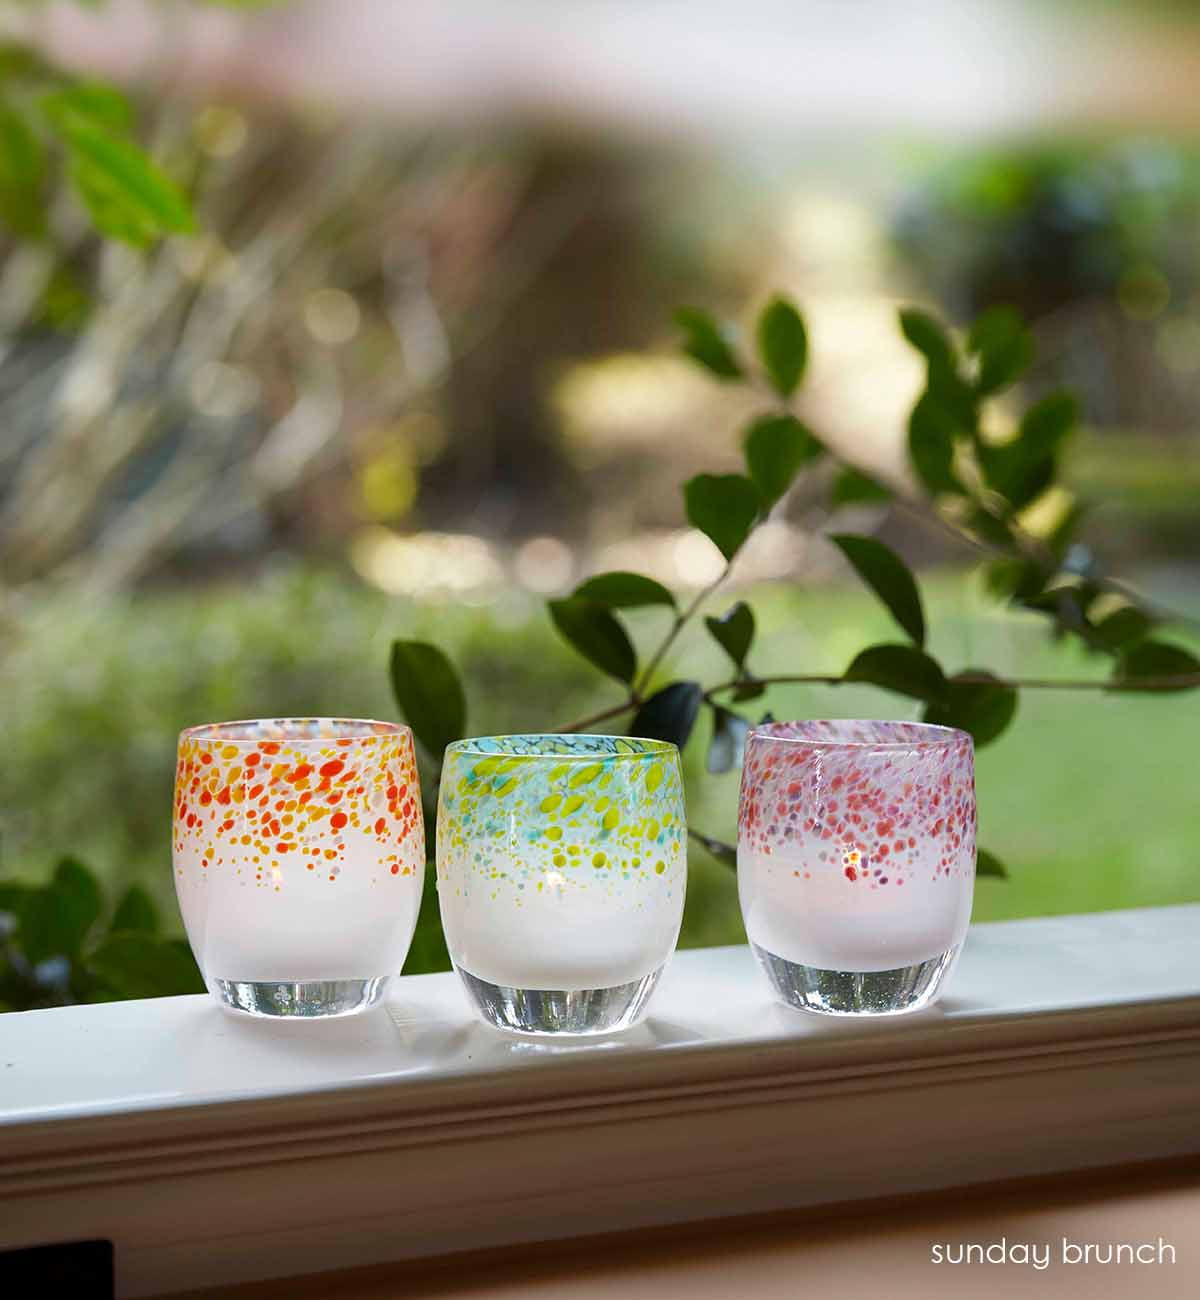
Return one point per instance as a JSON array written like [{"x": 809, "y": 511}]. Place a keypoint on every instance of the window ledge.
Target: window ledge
[{"x": 214, "y": 1150}]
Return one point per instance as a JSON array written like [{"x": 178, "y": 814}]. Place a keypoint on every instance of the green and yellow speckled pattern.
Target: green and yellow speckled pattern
[{"x": 589, "y": 813}]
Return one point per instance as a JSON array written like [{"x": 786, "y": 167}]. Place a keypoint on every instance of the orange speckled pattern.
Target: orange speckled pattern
[{"x": 265, "y": 807}]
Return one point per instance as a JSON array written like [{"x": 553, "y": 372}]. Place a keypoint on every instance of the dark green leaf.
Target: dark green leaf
[
  {"x": 900, "y": 668},
  {"x": 428, "y": 952},
  {"x": 928, "y": 337},
  {"x": 619, "y": 590},
  {"x": 989, "y": 526},
  {"x": 723, "y": 507},
  {"x": 982, "y": 708},
  {"x": 428, "y": 694},
  {"x": 669, "y": 714},
  {"x": 1062, "y": 537},
  {"x": 1121, "y": 629},
  {"x": 92, "y": 100},
  {"x": 777, "y": 447},
  {"x": 932, "y": 432},
  {"x": 141, "y": 966},
  {"x": 888, "y": 577},
  {"x": 728, "y": 742},
  {"x": 724, "y": 853},
  {"x": 12, "y": 897},
  {"x": 1016, "y": 578},
  {"x": 734, "y": 632},
  {"x": 1018, "y": 477},
  {"x": 595, "y": 632},
  {"x": 1004, "y": 347},
  {"x": 1048, "y": 422},
  {"x": 1021, "y": 470},
  {"x": 136, "y": 911},
  {"x": 987, "y": 864},
  {"x": 128, "y": 195},
  {"x": 1156, "y": 660},
  {"x": 748, "y": 689},
  {"x": 705, "y": 343},
  {"x": 853, "y": 488},
  {"x": 22, "y": 172},
  {"x": 55, "y": 920},
  {"x": 1066, "y": 605},
  {"x": 782, "y": 344}
]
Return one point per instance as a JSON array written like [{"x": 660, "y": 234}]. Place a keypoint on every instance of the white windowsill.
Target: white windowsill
[{"x": 214, "y": 1150}]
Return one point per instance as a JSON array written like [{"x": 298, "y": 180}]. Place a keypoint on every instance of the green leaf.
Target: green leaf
[
  {"x": 782, "y": 344},
  {"x": 1047, "y": 422},
  {"x": 1157, "y": 659},
  {"x": 728, "y": 742},
  {"x": 888, "y": 577},
  {"x": 724, "y": 853},
  {"x": 669, "y": 714},
  {"x": 142, "y": 966},
  {"x": 1021, "y": 470},
  {"x": 22, "y": 173},
  {"x": 128, "y": 195},
  {"x": 851, "y": 487},
  {"x": 619, "y": 590},
  {"x": 90, "y": 100},
  {"x": 428, "y": 694},
  {"x": 706, "y": 344},
  {"x": 777, "y": 447},
  {"x": 1019, "y": 579},
  {"x": 900, "y": 668},
  {"x": 928, "y": 337},
  {"x": 734, "y": 632},
  {"x": 932, "y": 433},
  {"x": 136, "y": 911},
  {"x": 12, "y": 897},
  {"x": 54, "y": 921},
  {"x": 984, "y": 709},
  {"x": 428, "y": 951},
  {"x": 1122, "y": 629},
  {"x": 1004, "y": 347},
  {"x": 988, "y": 864},
  {"x": 594, "y": 631},
  {"x": 723, "y": 507}
]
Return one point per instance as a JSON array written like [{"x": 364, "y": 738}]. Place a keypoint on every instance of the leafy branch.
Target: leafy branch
[
  {"x": 978, "y": 489},
  {"x": 58, "y": 947},
  {"x": 51, "y": 121}
]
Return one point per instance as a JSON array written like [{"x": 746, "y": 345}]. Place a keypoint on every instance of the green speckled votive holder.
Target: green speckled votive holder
[{"x": 561, "y": 873}]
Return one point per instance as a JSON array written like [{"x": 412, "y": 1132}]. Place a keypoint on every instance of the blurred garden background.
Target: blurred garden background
[{"x": 414, "y": 372}]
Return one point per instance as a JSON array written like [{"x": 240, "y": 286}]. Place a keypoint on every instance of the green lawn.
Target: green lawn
[{"x": 1091, "y": 800}]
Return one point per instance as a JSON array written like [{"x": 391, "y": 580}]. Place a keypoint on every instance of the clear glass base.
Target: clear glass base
[
  {"x": 857, "y": 993},
  {"x": 561, "y": 1011},
  {"x": 307, "y": 1000}
]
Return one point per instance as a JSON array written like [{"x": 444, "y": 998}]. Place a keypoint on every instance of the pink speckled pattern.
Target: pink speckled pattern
[{"x": 861, "y": 797}]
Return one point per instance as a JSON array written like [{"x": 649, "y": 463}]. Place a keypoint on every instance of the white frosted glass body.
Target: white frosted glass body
[
  {"x": 298, "y": 858},
  {"x": 825, "y": 922},
  {"x": 561, "y": 873}
]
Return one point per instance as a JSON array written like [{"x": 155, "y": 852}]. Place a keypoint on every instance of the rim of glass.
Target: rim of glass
[
  {"x": 287, "y": 729},
  {"x": 929, "y": 734},
  {"x": 653, "y": 748}
]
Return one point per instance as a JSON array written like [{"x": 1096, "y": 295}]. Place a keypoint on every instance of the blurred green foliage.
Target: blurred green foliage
[{"x": 1041, "y": 226}]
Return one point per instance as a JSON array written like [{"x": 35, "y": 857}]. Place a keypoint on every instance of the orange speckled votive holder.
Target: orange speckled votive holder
[{"x": 299, "y": 853}]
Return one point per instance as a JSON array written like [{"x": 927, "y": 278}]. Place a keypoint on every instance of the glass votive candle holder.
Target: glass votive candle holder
[
  {"x": 561, "y": 870},
  {"x": 299, "y": 852},
  {"x": 856, "y": 860}
]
